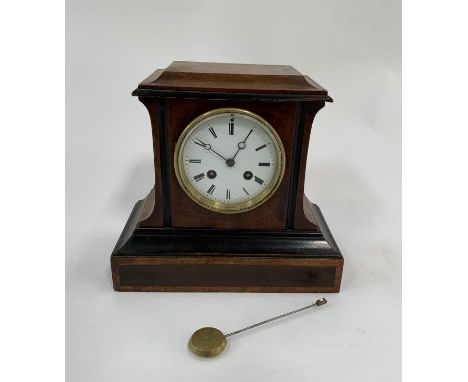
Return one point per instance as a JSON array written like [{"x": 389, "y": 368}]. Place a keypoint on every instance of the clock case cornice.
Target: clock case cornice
[{"x": 231, "y": 81}]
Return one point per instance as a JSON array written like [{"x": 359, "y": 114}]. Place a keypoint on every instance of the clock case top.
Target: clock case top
[
  {"x": 175, "y": 96},
  {"x": 228, "y": 81}
]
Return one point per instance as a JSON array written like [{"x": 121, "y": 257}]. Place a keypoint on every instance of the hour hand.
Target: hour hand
[{"x": 202, "y": 144}]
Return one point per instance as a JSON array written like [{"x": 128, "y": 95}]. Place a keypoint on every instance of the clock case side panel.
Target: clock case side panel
[
  {"x": 300, "y": 217},
  {"x": 152, "y": 214}
]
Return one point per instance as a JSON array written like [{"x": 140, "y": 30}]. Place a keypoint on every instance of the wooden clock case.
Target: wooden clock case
[{"x": 171, "y": 243}]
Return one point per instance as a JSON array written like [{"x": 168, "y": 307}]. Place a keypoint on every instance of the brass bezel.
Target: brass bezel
[{"x": 216, "y": 206}]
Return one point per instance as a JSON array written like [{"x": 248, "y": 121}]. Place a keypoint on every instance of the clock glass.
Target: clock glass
[{"x": 229, "y": 160}]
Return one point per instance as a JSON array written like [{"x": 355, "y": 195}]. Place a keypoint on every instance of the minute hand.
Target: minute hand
[
  {"x": 208, "y": 147},
  {"x": 241, "y": 145}
]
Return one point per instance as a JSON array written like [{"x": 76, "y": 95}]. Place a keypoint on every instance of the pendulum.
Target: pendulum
[{"x": 209, "y": 342}]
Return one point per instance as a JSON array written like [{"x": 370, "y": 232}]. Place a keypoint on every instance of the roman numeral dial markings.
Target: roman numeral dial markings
[
  {"x": 264, "y": 164},
  {"x": 213, "y": 133},
  {"x": 259, "y": 181},
  {"x": 228, "y": 194},
  {"x": 199, "y": 177},
  {"x": 231, "y": 128},
  {"x": 260, "y": 147},
  {"x": 194, "y": 160},
  {"x": 211, "y": 189}
]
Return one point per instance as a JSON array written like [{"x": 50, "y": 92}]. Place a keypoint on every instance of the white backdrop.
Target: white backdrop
[{"x": 354, "y": 174}]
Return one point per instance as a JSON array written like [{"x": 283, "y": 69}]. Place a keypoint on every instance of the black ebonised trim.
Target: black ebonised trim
[
  {"x": 177, "y": 242},
  {"x": 165, "y": 164},
  {"x": 295, "y": 165},
  {"x": 135, "y": 242},
  {"x": 238, "y": 96}
]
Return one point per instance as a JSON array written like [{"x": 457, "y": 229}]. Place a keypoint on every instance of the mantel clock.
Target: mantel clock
[{"x": 228, "y": 210}]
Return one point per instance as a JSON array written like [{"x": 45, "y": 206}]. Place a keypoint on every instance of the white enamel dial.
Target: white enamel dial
[{"x": 229, "y": 160}]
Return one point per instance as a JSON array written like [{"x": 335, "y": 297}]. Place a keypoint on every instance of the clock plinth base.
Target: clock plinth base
[{"x": 205, "y": 260}]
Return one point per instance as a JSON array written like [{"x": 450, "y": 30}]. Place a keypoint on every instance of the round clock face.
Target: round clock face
[{"x": 229, "y": 160}]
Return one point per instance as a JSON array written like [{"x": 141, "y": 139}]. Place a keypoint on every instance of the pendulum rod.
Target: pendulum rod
[{"x": 323, "y": 301}]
